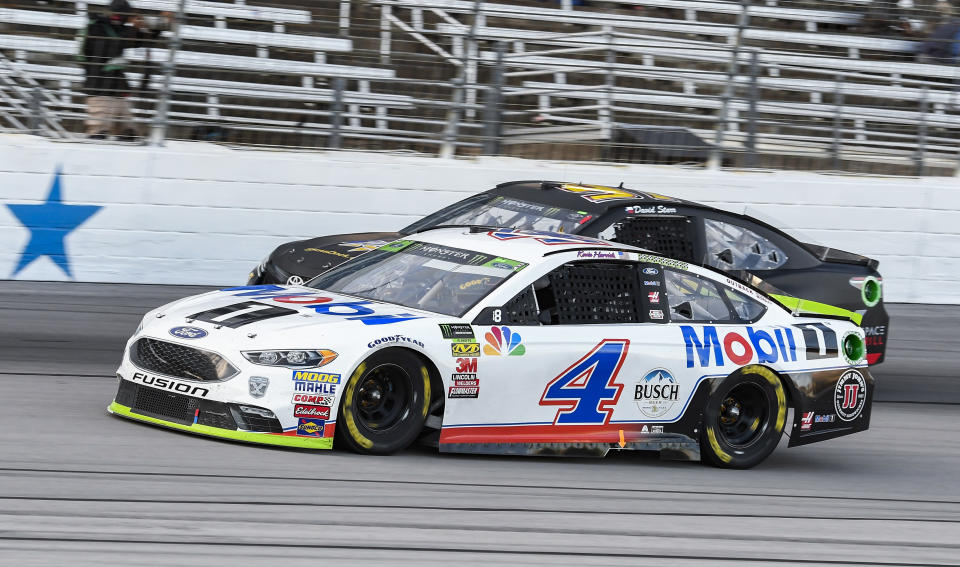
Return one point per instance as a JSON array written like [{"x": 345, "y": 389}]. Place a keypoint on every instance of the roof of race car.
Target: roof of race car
[
  {"x": 511, "y": 243},
  {"x": 579, "y": 196}
]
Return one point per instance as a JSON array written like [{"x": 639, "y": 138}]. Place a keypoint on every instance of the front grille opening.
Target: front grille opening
[
  {"x": 255, "y": 421},
  {"x": 181, "y": 361},
  {"x": 178, "y": 408}
]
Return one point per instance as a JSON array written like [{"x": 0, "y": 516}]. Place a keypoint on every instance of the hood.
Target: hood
[
  {"x": 308, "y": 258},
  {"x": 275, "y": 312}
]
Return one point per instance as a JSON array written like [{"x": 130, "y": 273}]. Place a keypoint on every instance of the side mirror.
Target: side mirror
[{"x": 684, "y": 310}]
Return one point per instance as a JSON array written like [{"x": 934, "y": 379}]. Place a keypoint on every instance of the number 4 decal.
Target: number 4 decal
[{"x": 586, "y": 391}]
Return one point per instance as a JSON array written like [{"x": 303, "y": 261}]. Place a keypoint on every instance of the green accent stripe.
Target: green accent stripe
[
  {"x": 249, "y": 437},
  {"x": 800, "y": 306}
]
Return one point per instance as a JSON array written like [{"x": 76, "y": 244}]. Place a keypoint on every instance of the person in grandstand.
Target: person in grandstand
[{"x": 109, "y": 111}]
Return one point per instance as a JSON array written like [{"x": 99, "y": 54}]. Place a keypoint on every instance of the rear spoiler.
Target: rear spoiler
[
  {"x": 807, "y": 308},
  {"x": 840, "y": 256}
]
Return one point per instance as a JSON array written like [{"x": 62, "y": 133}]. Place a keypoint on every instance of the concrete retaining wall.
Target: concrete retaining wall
[{"x": 194, "y": 213}]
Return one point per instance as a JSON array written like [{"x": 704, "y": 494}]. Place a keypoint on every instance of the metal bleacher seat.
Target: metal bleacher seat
[
  {"x": 810, "y": 18},
  {"x": 66, "y": 78},
  {"x": 661, "y": 25}
]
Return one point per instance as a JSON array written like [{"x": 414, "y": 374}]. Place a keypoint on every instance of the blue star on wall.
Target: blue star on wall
[{"x": 49, "y": 224}]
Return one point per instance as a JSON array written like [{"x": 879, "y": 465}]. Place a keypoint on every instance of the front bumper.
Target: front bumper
[
  {"x": 287, "y": 439},
  {"x": 219, "y": 409}
]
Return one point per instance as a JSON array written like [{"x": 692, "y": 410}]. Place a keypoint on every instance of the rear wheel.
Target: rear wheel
[
  {"x": 384, "y": 403},
  {"x": 744, "y": 419}
]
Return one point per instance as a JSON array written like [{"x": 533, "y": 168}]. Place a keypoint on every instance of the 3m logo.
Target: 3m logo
[
  {"x": 468, "y": 365},
  {"x": 465, "y": 349}
]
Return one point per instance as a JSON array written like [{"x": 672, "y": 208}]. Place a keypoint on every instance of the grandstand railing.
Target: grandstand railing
[{"x": 759, "y": 84}]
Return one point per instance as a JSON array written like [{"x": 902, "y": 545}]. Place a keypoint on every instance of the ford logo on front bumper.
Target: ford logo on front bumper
[{"x": 188, "y": 332}]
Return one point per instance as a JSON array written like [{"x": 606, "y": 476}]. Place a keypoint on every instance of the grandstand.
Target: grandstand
[{"x": 839, "y": 85}]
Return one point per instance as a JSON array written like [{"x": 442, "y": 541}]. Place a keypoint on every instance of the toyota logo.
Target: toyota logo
[{"x": 294, "y": 280}]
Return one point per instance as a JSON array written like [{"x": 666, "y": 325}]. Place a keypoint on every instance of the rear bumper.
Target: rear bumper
[{"x": 829, "y": 404}]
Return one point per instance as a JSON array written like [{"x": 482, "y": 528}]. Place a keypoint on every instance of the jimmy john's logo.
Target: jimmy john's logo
[
  {"x": 465, "y": 349},
  {"x": 168, "y": 384},
  {"x": 317, "y": 377}
]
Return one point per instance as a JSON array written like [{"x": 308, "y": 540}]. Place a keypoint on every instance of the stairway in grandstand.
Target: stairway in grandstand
[{"x": 818, "y": 82}]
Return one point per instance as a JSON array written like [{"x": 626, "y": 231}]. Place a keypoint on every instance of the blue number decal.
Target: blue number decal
[{"x": 586, "y": 391}]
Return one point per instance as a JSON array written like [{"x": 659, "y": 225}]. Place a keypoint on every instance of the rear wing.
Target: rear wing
[{"x": 840, "y": 256}]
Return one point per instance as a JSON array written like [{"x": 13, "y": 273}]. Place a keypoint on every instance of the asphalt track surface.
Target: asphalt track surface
[{"x": 80, "y": 487}]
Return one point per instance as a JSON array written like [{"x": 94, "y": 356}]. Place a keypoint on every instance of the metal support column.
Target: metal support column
[
  {"x": 609, "y": 85},
  {"x": 451, "y": 131},
  {"x": 335, "y": 142},
  {"x": 158, "y": 132},
  {"x": 837, "y": 122},
  {"x": 752, "y": 116},
  {"x": 492, "y": 113},
  {"x": 920, "y": 154},
  {"x": 36, "y": 109},
  {"x": 716, "y": 154}
]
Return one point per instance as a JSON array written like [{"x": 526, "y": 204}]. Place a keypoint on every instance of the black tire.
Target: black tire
[
  {"x": 384, "y": 403},
  {"x": 744, "y": 419}
]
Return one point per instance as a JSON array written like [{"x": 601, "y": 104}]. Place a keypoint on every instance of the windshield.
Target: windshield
[
  {"x": 424, "y": 276},
  {"x": 490, "y": 210}
]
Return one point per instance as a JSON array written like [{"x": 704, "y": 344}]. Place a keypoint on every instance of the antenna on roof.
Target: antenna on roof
[{"x": 620, "y": 186}]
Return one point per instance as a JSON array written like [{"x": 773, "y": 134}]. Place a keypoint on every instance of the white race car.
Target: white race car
[{"x": 486, "y": 340}]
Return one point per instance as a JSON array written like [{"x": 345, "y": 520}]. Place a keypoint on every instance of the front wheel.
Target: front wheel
[
  {"x": 744, "y": 419},
  {"x": 384, "y": 403}
]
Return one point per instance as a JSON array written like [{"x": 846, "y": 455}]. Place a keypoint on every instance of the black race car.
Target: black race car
[{"x": 738, "y": 244}]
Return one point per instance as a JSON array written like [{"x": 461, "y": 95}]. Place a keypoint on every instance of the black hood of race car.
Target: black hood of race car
[{"x": 308, "y": 258}]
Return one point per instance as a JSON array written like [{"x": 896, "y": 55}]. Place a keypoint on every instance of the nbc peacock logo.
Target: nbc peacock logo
[{"x": 501, "y": 341}]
